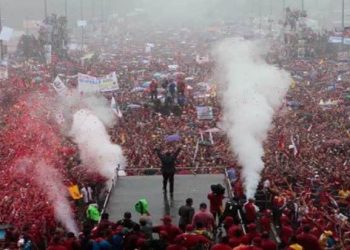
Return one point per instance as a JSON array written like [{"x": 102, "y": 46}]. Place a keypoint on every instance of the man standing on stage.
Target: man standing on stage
[{"x": 168, "y": 161}]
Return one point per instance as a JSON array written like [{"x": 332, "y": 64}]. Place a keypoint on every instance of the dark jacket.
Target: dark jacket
[
  {"x": 168, "y": 161},
  {"x": 186, "y": 214}
]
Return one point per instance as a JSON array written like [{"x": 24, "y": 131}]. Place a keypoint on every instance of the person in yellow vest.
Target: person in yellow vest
[{"x": 74, "y": 192}]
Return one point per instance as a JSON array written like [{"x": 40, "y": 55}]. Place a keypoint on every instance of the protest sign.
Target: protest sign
[
  {"x": 59, "y": 86},
  {"x": 204, "y": 112},
  {"x": 109, "y": 82},
  {"x": 88, "y": 84}
]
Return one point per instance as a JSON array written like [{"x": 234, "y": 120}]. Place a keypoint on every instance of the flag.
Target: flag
[
  {"x": 115, "y": 108},
  {"x": 59, "y": 86}
]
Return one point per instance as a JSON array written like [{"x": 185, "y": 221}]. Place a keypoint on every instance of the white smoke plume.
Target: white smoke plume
[
  {"x": 252, "y": 91},
  {"x": 96, "y": 150},
  {"x": 98, "y": 104},
  {"x": 51, "y": 181}
]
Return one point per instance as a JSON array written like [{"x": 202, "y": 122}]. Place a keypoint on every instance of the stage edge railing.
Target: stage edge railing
[{"x": 110, "y": 188}]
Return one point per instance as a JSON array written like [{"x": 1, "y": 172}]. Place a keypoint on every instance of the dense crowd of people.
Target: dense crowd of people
[{"x": 163, "y": 78}]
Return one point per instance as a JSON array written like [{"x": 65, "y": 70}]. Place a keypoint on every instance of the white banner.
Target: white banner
[
  {"x": 92, "y": 84},
  {"x": 109, "y": 82},
  {"x": 59, "y": 86}
]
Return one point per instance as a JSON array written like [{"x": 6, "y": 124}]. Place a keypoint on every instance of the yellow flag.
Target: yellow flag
[{"x": 74, "y": 192}]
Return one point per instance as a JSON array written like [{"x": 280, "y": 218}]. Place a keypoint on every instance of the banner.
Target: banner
[
  {"x": 109, "y": 82},
  {"x": 3, "y": 72},
  {"x": 92, "y": 84},
  {"x": 59, "y": 86},
  {"x": 205, "y": 113}
]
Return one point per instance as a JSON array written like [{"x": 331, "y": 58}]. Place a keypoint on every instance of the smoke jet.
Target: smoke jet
[{"x": 252, "y": 90}]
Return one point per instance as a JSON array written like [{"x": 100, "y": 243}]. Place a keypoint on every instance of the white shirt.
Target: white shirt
[{"x": 87, "y": 194}]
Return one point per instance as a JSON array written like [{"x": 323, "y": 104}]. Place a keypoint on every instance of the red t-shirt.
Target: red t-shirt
[
  {"x": 171, "y": 230},
  {"x": 221, "y": 246},
  {"x": 190, "y": 240},
  {"x": 215, "y": 202}
]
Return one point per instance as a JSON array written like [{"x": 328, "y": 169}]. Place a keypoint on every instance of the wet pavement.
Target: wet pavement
[{"x": 128, "y": 190}]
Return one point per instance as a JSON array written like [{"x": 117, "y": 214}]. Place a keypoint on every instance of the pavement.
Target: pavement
[{"x": 128, "y": 190}]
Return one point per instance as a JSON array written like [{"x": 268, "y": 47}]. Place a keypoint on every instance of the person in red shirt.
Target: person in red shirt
[
  {"x": 215, "y": 204},
  {"x": 153, "y": 88},
  {"x": 265, "y": 221},
  {"x": 307, "y": 240},
  {"x": 235, "y": 237},
  {"x": 228, "y": 222},
  {"x": 267, "y": 243},
  {"x": 190, "y": 239},
  {"x": 223, "y": 245},
  {"x": 250, "y": 210},
  {"x": 286, "y": 233},
  {"x": 171, "y": 230},
  {"x": 238, "y": 189},
  {"x": 56, "y": 244},
  {"x": 256, "y": 244},
  {"x": 204, "y": 217},
  {"x": 252, "y": 233},
  {"x": 71, "y": 243}
]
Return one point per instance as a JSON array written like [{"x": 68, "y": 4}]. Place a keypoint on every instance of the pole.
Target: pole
[
  {"x": 45, "y": 8},
  {"x": 82, "y": 27},
  {"x": 1, "y": 42},
  {"x": 343, "y": 15},
  {"x": 66, "y": 9},
  {"x": 302, "y": 5},
  {"x": 342, "y": 22}
]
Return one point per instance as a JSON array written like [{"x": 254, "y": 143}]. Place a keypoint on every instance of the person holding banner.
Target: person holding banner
[{"x": 168, "y": 161}]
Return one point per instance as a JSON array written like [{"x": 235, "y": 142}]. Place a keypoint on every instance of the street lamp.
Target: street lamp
[{"x": 66, "y": 8}]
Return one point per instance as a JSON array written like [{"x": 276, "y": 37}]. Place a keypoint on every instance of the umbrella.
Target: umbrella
[
  {"x": 134, "y": 106},
  {"x": 146, "y": 84},
  {"x": 173, "y": 138},
  {"x": 138, "y": 89}
]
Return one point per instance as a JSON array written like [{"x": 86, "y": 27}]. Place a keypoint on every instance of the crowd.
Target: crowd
[{"x": 304, "y": 190}]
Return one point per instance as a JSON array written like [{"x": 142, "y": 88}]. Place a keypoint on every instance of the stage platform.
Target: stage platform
[{"x": 128, "y": 190}]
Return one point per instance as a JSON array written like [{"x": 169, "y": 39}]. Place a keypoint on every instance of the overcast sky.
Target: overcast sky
[{"x": 15, "y": 11}]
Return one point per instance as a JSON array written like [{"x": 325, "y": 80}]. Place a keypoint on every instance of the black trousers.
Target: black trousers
[{"x": 170, "y": 177}]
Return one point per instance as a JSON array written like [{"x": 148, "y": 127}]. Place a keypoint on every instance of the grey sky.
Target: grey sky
[{"x": 15, "y": 11}]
